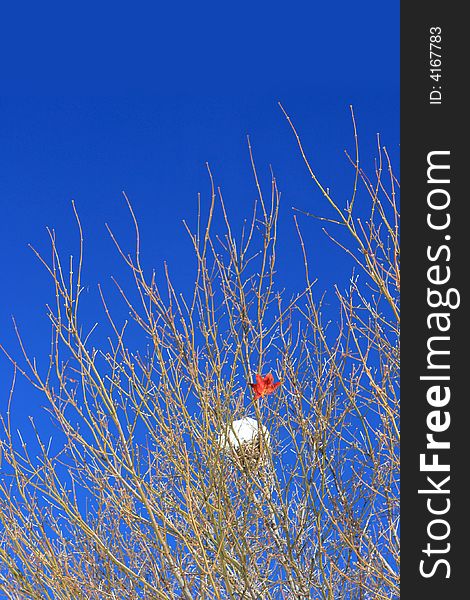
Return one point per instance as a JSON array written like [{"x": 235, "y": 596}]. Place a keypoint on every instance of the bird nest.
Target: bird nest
[
  {"x": 251, "y": 455},
  {"x": 246, "y": 443}
]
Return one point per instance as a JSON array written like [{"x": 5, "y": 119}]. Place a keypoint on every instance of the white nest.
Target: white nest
[{"x": 243, "y": 437}]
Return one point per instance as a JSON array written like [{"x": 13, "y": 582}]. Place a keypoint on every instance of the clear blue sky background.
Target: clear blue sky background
[{"x": 106, "y": 97}]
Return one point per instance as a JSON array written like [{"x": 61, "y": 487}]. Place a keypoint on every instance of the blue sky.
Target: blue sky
[{"x": 100, "y": 99}]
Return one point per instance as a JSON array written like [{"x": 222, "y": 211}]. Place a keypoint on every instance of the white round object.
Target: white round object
[{"x": 242, "y": 431}]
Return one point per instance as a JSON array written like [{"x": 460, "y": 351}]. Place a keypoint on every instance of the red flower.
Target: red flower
[{"x": 264, "y": 385}]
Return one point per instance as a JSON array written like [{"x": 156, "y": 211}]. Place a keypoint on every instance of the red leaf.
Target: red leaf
[{"x": 264, "y": 385}]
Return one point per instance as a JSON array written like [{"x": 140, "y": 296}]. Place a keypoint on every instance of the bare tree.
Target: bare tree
[{"x": 159, "y": 491}]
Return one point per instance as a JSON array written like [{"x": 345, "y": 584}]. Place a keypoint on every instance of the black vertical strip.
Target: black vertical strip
[{"x": 435, "y": 248}]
